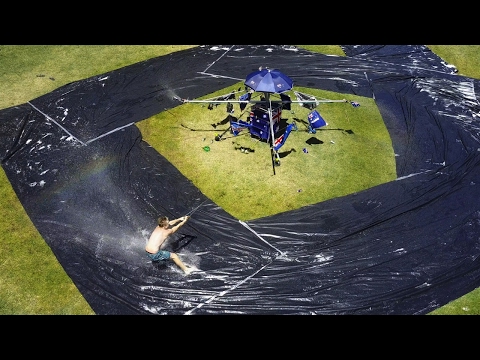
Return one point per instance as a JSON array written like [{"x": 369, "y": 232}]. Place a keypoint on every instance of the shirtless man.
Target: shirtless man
[{"x": 158, "y": 238}]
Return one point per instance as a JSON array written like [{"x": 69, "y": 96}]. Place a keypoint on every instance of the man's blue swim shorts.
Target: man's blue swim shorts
[{"x": 159, "y": 256}]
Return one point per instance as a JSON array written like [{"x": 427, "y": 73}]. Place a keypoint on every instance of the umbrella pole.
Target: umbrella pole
[{"x": 272, "y": 134}]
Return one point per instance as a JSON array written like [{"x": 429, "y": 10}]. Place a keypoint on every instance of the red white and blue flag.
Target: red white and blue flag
[
  {"x": 278, "y": 143},
  {"x": 277, "y": 114},
  {"x": 316, "y": 120},
  {"x": 237, "y": 127}
]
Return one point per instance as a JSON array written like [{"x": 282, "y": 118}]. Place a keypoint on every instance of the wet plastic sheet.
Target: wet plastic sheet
[{"x": 94, "y": 188}]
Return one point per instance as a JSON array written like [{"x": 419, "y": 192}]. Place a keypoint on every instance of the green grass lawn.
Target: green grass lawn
[
  {"x": 38, "y": 285},
  {"x": 354, "y": 153}
]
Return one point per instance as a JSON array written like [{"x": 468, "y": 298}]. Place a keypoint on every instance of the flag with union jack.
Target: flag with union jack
[
  {"x": 278, "y": 143},
  {"x": 316, "y": 120},
  {"x": 239, "y": 126},
  {"x": 276, "y": 114}
]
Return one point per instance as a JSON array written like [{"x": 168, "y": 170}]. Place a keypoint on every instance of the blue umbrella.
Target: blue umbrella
[{"x": 268, "y": 81}]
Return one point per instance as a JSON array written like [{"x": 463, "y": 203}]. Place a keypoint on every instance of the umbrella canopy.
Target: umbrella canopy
[{"x": 269, "y": 81}]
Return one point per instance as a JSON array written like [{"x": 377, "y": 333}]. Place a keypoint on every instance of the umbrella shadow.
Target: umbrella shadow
[{"x": 314, "y": 141}]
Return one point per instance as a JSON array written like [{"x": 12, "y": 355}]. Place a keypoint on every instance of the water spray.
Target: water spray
[{"x": 179, "y": 99}]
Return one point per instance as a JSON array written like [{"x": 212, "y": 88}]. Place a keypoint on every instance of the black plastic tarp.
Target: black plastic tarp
[{"x": 94, "y": 188}]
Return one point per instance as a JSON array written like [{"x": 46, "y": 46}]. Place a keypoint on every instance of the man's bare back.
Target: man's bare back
[{"x": 157, "y": 239}]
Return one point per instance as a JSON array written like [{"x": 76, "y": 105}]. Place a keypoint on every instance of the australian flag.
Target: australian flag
[
  {"x": 278, "y": 143},
  {"x": 276, "y": 114},
  {"x": 239, "y": 126},
  {"x": 316, "y": 120}
]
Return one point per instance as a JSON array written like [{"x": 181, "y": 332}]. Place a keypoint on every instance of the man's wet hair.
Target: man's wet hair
[{"x": 163, "y": 221}]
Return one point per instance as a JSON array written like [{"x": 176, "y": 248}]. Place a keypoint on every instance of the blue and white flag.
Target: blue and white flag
[{"x": 316, "y": 120}]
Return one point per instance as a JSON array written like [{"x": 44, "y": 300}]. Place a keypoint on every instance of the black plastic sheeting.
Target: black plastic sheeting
[{"x": 94, "y": 188}]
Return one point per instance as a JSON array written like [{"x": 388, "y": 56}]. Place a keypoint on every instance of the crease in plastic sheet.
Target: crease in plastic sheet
[{"x": 94, "y": 188}]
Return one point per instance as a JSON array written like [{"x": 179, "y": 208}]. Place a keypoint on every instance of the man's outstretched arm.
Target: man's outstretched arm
[
  {"x": 173, "y": 222},
  {"x": 182, "y": 220}
]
